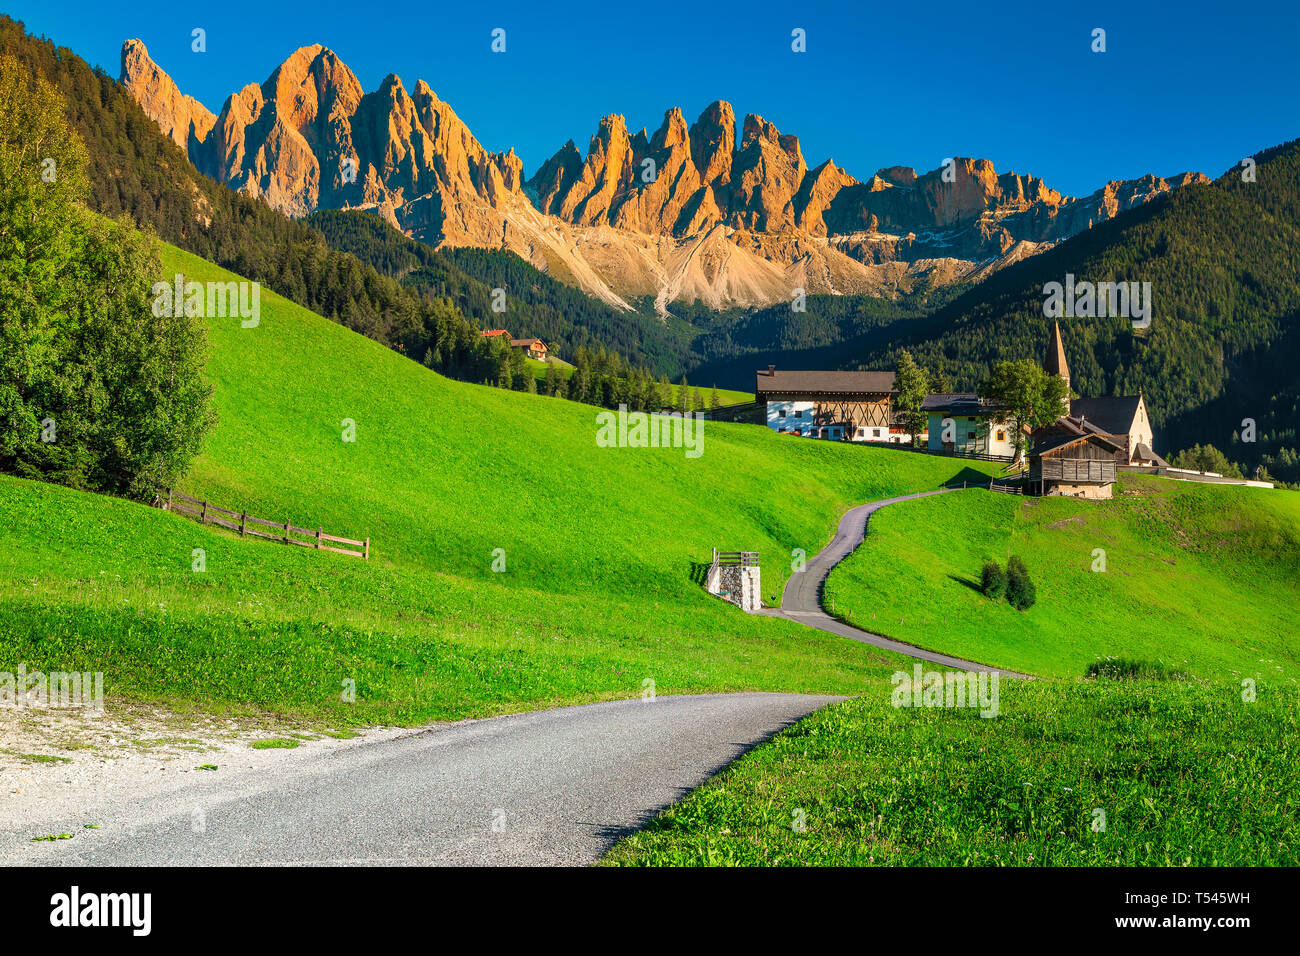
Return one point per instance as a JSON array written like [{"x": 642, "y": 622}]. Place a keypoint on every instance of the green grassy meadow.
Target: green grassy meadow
[
  {"x": 515, "y": 564},
  {"x": 602, "y": 548},
  {"x": 565, "y": 371},
  {"x": 1182, "y": 772},
  {"x": 1204, "y": 578}
]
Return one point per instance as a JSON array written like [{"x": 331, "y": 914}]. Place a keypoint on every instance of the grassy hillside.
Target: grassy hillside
[
  {"x": 1205, "y": 578},
  {"x": 602, "y": 546},
  {"x": 1185, "y": 773},
  {"x": 565, "y": 371}
]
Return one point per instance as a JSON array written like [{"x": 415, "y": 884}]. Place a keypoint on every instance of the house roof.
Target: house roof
[
  {"x": 491, "y": 332},
  {"x": 526, "y": 343},
  {"x": 961, "y": 403},
  {"x": 1055, "y": 363},
  {"x": 824, "y": 383},
  {"x": 1068, "y": 431},
  {"x": 1113, "y": 415},
  {"x": 1143, "y": 452}
]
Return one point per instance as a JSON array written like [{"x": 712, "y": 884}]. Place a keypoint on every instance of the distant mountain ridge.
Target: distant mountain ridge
[{"x": 690, "y": 213}]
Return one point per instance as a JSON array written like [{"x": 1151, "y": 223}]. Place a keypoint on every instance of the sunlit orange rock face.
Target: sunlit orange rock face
[{"x": 689, "y": 212}]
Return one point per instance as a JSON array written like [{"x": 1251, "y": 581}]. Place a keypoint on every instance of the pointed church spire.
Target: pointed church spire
[{"x": 1055, "y": 363}]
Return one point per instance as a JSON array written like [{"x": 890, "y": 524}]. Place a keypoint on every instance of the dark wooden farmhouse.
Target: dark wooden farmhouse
[
  {"x": 847, "y": 406},
  {"x": 1072, "y": 457}
]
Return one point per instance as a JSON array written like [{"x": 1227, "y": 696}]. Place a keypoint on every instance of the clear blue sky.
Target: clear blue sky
[{"x": 1182, "y": 86}]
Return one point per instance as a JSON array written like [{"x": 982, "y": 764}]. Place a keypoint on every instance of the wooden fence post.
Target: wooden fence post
[
  {"x": 204, "y": 519},
  {"x": 169, "y": 499},
  {"x": 286, "y": 532},
  {"x": 367, "y": 554},
  {"x": 319, "y": 529},
  {"x": 243, "y": 522}
]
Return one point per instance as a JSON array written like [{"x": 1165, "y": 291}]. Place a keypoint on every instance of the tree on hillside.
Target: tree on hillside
[
  {"x": 939, "y": 377},
  {"x": 1020, "y": 590},
  {"x": 1205, "y": 458},
  {"x": 683, "y": 396},
  {"x": 714, "y": 400},
  {"x": 96, "y": 391},
  {"x": 663, "y": 394},
  {"x": 913, "y": 384},
  {"x": 1025, "y": 395}
]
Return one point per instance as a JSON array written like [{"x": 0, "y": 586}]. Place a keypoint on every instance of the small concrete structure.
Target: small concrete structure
[{"x": 736, "y": 577}]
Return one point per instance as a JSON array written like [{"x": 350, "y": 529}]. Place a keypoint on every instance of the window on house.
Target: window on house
[
  {"x": 876, "y": 433},
  {"x": 1002, "y": 436},
  {"x": 783, "y": 413},
  {"x": 970, "y": 436},
  {"x": 798, "y": 413}
]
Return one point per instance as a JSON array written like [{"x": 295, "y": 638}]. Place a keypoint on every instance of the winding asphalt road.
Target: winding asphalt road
[
  {"x": 801, "y": 600},
  {"x": 550, "y": 787}
]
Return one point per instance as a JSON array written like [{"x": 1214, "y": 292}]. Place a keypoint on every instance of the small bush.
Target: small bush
[
  {"x": 1122, "y": 668},
  {"x": 993, "y": 580},
  {"x": 1020, "y": 590}
]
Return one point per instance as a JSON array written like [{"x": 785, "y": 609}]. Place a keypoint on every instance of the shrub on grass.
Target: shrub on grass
[
  {"x": 1020, "y": 590},
  {"x": 1123, "y": 668},
  {"x": 993, "y": 580}
]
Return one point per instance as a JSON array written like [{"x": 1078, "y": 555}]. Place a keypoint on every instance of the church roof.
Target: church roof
[
  {"x": 1055, "y": 363},
  {"x": 1114, "y": 415}
]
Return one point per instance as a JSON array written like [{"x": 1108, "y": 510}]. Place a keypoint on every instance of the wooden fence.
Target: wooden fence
[
  {"x": 208, "y": 513},
  {"x": 735, "y": 559}
]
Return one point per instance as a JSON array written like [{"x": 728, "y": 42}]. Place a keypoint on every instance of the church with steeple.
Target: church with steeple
[{"x": 1123, "y": 418}]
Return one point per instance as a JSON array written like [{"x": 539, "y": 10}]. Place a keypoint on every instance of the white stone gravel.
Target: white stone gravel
[{"x": 133, "y": 755}]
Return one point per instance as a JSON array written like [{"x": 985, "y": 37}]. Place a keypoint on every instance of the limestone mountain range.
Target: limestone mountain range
[{"x": 689, "y": 212}]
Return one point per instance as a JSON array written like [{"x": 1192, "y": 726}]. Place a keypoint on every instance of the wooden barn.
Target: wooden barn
[
  {"x": 843, "y": 406},
  {"x": 1072, "y": 457}
]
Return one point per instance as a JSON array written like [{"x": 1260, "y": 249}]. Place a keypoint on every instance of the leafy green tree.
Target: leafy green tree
[
  {"x": 1025, "y": 395},
  {"x": 714, "y": 400},
  {"x": 913, "y": 383},
  {"x": 96, "y": 391}
]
